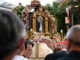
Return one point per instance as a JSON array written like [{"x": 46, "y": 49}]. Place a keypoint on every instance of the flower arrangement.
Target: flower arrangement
[
  {"x": 57, "y": 43},
  {"x": 18, "y": 10}
]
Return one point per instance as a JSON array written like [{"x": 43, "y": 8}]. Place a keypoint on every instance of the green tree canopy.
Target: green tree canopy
[
  {"x": 59, "y": 12},
  {"x": 18, "y": 10}
]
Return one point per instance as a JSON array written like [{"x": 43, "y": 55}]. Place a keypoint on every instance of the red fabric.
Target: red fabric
[{"x": 64, "y": 42}]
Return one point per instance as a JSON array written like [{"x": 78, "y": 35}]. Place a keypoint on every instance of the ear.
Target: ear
[
  {"x": 68, "y": 45},
  {"x": 21, "y": 50},
  {"x": 21, "y": 43}
]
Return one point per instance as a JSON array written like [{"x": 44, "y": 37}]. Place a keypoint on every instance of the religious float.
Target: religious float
[
  {"x": 39, "y": 20},
  {"x": 40, "y": 24}
]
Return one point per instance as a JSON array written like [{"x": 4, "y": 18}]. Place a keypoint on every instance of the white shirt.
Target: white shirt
[{"x": 17, "y": 57}]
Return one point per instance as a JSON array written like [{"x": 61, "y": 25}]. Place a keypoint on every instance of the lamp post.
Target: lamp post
[
  {"x": 61, "y": 34},
  {"x": 52, "y": 34},
  {"x": 31, "y": 33}
]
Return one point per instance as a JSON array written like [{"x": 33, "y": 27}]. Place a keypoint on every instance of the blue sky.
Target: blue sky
[{"x": 0, "y": 0}]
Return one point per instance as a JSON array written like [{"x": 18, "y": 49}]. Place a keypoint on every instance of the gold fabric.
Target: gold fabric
[{"x": 40, "y": 50}]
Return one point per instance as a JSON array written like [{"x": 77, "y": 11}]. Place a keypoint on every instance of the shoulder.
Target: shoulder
[
  {"x": 61, "y": 53},
  {"x": 49, "y": 57},
  {"x": 17, "y": 57},
  {"x": 66, "y": 58},
  {"x": 25, "y": 58},
  {"x": 55, "y": 55}
]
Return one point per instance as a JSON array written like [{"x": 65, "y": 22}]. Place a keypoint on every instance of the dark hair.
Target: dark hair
[
  {"x": 28, "y": 42},
  {"x": 11, "y": 31}
]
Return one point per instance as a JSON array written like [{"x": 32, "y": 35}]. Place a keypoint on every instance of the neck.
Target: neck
[
  {"x": 75, "y": 48},
  {"x": 10, "y": 56}
]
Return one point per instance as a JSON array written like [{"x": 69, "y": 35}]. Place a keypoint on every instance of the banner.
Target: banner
[{"x": 67, "y": 12}]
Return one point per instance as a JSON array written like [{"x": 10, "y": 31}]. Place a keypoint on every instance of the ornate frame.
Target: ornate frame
[{"x": 34, "y": 20}]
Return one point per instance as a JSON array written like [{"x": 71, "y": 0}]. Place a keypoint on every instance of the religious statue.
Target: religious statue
[{"x": 40, "y": 22}]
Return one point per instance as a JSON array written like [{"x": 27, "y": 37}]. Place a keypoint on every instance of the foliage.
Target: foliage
[
  {"x": 71, "y": 0},
  {"x": 49, "y": 8},
  {"x": 18, "y": 10},
  {"x": 59, "y": 12}
]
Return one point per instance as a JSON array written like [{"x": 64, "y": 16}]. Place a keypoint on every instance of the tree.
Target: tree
[
  {"x": 18, "y": 10},
  {"x": 59, "y": 12},
  {"x": 49, "y": 8}
]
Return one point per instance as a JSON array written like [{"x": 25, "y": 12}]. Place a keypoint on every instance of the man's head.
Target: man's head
[
  {"x": 28, "y": 48},
  {"x": 11, "y": 33},
  {"x": 73, "y": 38}
]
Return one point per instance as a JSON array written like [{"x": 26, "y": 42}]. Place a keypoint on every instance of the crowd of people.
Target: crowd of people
[{"x": 14, "y": 46}]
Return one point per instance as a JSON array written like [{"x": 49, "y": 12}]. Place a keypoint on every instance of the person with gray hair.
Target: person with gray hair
[
  {"x": 47, "y": 42},
  {"x": 73, "y": 43},
  {"x": 12, "y": 34}
]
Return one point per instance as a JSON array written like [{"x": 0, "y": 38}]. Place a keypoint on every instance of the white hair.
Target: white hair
[{"x": 73, "y": 34}]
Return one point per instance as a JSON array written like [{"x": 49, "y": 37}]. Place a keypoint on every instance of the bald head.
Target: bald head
[
  {"x": 47, "y": 40},
  {"x": 74, "y": 34}
]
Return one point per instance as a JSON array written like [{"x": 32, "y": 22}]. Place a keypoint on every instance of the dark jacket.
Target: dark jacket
[
  {"x": 55, "y": 56},
  {"x": 74, "y": 55}
]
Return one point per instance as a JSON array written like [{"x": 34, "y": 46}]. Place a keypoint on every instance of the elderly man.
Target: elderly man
[
  {"x": 47, "y": 42},
  {"x": 12, "y": 35},
  {"x": 73, "y": 43}
]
